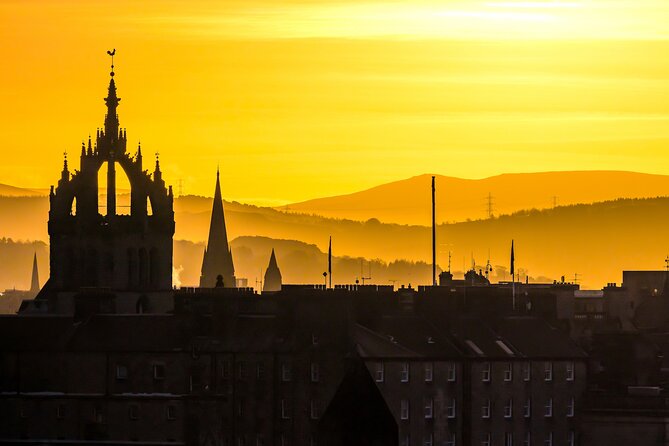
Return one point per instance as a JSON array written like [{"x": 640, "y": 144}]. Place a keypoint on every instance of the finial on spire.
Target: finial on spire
[{"x": 111, "y": 53}]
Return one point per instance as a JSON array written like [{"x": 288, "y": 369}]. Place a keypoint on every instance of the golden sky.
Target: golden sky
[{"x": 301, "y": 99}]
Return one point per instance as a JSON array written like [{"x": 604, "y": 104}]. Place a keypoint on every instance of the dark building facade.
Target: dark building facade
[{"x": 231, "y": 367}]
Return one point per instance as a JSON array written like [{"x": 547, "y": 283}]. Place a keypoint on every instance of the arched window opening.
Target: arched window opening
[
  {"x": 149, "y": 209},
  {"x": 73, "y": 210},
  {"x": 121, "y": 190}
]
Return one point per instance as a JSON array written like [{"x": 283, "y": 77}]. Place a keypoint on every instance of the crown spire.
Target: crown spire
[{"x": 111, "y": 120}]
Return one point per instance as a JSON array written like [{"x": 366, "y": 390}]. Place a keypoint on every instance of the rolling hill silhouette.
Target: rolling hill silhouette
[{"x": 408, "y": 201}]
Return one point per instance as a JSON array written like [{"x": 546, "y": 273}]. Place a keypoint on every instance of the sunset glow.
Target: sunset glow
[{"x": 316, "y": 98}]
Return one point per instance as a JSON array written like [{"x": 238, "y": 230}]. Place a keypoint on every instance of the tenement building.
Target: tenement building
[{"x": 299, "y": 367}]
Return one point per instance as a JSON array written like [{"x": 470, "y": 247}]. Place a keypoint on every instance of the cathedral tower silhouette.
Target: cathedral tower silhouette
[
  {"x": 91, "y": 245},
  {"x": 217, "y": 259}
]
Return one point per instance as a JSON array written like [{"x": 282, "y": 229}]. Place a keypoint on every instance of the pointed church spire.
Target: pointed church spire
[
  {"x": 34, "y": 282},
  {"x": 217, "y": 259},
  {"x": 272, "y": 280}
]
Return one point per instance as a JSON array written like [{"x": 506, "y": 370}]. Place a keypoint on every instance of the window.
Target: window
[
  {"x": 570, "y": 407},
  {"x": 508, "y": 439},
  {"x": 486, "y": 440},
  {"x": 485, "y": 373},
  {"x": 159, "y": 371},
  {"x": 528, "y": 439},
  {"x": 404, "y": 409},
  {"x": 451, "y": 372},
  {"x": 527, "y": 371},
  {"x": 427, "y": 441},
  {"x": 548, "y": 371},
  {"x": 548, "y": 412},
  {"x": 571, "y": 438},
  {"x": 241, "y": 370},
  {"x": 286, "y": 374},
  {"x": 315, "y": 373},
  {"x": 404, "y": 373},
  {"x": 241, "y": 405},
  {"x": 315, "y": 410},
  {"x": 260, "y": 371},
  {"x": 285, "y": 410},
  {"x": 508, "y": 372},
  {"x": 549, "y": 439},
  {"x": 508, "y": 408},
  {"x": 133, "y": 412},
  {"x": 485, "y": 409},
  {"x": 450, "y": 439},
  {"x": 528, "y": 408},
  {"x": 379, "y": 374},
  {"x": 171, "y": 412},
  {"x": 98, "y": 415},
  {"x": 570, "y": 371},
  {"x": 314, "y": 339},
  {"x": 225, "y": 370},
  {"x": 61, "y": 411},
  {"x": 406, "y": 440},
  {"x": 428, "y": 372},
  {"x": 429, "y": 406},
  {"x": 121, "y": 372},
  {"x": 451, "y": 408}
]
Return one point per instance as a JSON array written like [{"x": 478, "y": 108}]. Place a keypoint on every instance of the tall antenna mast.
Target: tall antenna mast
[{"x": 489, "y": 205}]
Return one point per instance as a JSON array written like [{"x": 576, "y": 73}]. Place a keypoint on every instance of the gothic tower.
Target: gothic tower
[
  {"x": 272, "y": 281},
  {"x": 92, "y": 248},
  {"x": 217, "y": 259}
]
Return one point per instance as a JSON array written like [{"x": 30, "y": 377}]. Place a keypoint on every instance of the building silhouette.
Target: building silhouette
[
  {"x": 92, "y": 247},
  {"x": 272, "y": 280},
  {"x": 217, "y": 267}
]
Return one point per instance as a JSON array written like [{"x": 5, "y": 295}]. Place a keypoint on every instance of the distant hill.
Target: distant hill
[
  {"x": 596, "y": 241},
  {"x": 409, "y": 201},
  {"x": 11, "y": 191}
]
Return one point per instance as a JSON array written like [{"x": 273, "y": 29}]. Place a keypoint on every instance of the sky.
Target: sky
[{"x": 308, "y": 98}]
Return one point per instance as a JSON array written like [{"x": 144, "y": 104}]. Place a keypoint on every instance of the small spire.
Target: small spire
[
  {"x": 83, "y": 149},
  {"x": 157, "y": 162},
  {"x": 90, "y": 145}
]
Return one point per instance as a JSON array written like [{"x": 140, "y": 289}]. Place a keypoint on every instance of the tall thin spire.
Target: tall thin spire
[
  {"x": 217, "y": 259},
  {"x": 34, "y": 282}
]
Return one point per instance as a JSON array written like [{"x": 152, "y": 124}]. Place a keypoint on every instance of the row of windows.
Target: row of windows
[
  {"x": 99, "y": 414},
  {"x": 485, "y": 409},
  {"x": 159, "y": 373},
  {"x": 380, "y": 373},
  {"x": 527, "y": 408},
  {"x": 527, "y": 371},
  {"x": 428, "y": 409},
  {"x": 486, "y": 372}
]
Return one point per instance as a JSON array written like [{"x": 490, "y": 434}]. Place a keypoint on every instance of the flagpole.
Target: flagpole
[
  {"x": 330, "y": 261},
  {"x": 513, "y": 279}
]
